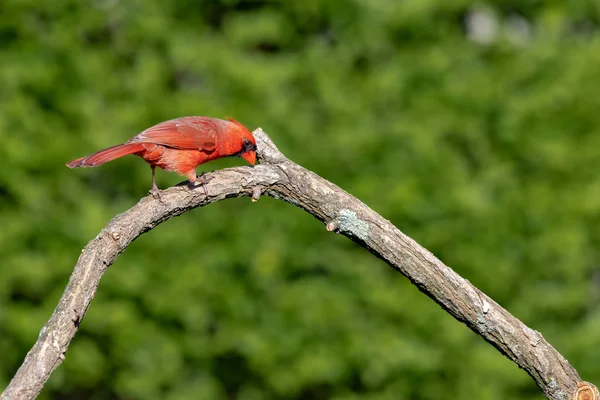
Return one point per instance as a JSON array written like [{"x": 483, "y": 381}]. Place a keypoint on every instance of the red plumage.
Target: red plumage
[
  {"x": 180, "y": 145},
  {"x": 106, "y": 155}
]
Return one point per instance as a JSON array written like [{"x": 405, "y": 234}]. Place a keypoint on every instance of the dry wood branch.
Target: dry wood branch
[{"x": 280, "y": 178}]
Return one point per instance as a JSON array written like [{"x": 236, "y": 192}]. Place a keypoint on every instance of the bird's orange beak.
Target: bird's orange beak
[{"x": 249, "y": 156}]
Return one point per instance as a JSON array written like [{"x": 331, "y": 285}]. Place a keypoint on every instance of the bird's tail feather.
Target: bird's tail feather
[{"x": 106, "y": 155}]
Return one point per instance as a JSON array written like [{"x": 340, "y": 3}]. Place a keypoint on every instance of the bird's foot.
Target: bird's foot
[
  {"x": 201, "y": 180},
  {"x": 155, "y": 192}
]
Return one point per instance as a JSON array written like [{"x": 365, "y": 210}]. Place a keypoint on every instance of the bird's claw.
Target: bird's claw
[
  {"x": 155, "y": 192},
  {"x": 202, "y": 180}
]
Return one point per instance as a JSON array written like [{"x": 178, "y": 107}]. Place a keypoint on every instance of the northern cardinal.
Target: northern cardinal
[{"x": 180, "y": 145}]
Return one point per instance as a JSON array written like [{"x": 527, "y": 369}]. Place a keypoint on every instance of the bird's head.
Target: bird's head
[{"x": 247, "y": 143}]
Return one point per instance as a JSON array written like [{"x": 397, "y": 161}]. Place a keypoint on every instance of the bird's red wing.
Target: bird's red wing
[{"x": 183, "y": 133}]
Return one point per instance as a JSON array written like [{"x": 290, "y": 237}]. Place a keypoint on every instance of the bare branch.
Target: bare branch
[{"x": 280, "y": 178}]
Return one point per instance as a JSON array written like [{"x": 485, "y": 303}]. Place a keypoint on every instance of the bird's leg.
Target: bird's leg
[
  {"x": 155, "y": 192},
  {"x": 201, "y": 180}
]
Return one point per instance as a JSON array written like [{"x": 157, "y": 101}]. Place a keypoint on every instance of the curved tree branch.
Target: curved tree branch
[{"x": 280, "y": 178}]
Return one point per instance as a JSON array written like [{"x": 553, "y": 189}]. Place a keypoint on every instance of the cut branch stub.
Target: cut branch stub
[{"x": 586, "y": 391}]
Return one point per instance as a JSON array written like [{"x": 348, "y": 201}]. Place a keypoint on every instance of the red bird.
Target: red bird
[{"x": 180, "y": 145}]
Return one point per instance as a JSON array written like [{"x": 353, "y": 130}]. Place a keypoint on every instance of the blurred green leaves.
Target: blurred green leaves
[{"x": 485, "y": 152}]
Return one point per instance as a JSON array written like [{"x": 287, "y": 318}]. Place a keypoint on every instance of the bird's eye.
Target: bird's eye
[{"x": 248, "y": 145}]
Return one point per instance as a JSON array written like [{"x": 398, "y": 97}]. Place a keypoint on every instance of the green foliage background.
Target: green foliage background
[{"x": 487, "y": 154}]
